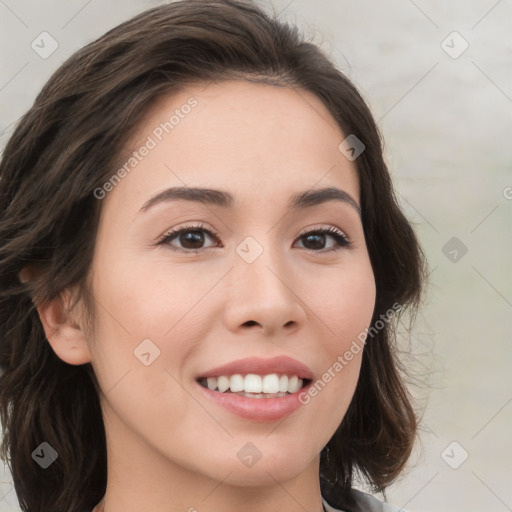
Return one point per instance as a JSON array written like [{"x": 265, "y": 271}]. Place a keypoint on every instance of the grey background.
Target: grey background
[{"x": 446, "y": 123}]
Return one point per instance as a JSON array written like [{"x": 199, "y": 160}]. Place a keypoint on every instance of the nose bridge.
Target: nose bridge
[
  {"x": 263, "y": 287},
  {"x": 261, "y": 262}
]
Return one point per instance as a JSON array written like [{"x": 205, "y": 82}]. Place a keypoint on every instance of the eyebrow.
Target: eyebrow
[{"x": 224, "y": 199}]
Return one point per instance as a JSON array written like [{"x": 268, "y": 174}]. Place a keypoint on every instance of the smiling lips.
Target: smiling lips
[{"x": 277, "y": 381}]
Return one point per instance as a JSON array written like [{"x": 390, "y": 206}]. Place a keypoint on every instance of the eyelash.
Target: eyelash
[{"x": 341, "y": 239}]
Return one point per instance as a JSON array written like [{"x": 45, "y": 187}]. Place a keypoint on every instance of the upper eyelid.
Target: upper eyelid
[
  {"x": 213, "y": 233},
  {"x": 188, "y": 227}
]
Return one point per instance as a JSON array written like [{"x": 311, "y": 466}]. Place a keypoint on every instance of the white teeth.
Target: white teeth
[
  {"x": 223, "y": 383},
  {"x": 255, "y": 386},
  {"x": 283, "y": 383},
  {"x": 236, "y": 383},
  {"x": 293, "y": 384},
  {"x": 271, "y": 383},
  {"x": 253, "y": 383}
]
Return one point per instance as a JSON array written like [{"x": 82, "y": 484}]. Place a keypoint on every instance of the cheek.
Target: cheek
[
  {"x": 342, "y": 303},
  {"x": 161, "y": 303},
  {"x": 156, "y": 295},
  {"x": 142, "y": 319},
  {"x": 344, "y": 300}
]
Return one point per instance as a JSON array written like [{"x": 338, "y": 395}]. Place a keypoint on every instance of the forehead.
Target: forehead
[{"x": 254, "y": 139}]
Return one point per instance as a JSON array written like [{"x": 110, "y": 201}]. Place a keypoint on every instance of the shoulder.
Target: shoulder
[{"x": 363, "y": 502}]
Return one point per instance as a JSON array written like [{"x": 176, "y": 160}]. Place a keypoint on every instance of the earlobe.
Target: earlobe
[
  {"x": 65, "y": 336},
  {"x": 24, "y": 275}
]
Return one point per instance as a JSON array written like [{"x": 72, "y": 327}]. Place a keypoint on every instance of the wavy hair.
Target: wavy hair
[{"x": 69, "y": 143}]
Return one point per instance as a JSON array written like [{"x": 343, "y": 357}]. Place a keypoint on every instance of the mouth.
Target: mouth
[
  {"x": 257, "y": 388},
  {"x": 252, "y": 385}
]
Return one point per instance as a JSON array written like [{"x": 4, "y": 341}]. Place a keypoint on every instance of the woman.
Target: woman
[{"x": 202, "y": 267}]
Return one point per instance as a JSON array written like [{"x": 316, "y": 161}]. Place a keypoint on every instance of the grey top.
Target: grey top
[{"x": 364, "y": 503}]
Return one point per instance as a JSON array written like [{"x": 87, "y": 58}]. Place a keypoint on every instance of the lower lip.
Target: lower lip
[{"x": 256, "y": 409}]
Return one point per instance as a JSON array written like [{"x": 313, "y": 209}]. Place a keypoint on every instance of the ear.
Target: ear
[
  {"x": 66, "y": 336},
  {"x": 28, "y": 273}
]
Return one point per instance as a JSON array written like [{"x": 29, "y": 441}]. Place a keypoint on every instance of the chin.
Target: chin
[
  {"x": 274, "y": 465},
  {"x": 262, "y": 475}
]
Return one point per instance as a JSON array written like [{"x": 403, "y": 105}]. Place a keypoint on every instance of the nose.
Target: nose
[{"x": 264, "y": 296}]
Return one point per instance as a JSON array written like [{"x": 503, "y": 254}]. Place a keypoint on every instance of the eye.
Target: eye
[
  {"x": 191, "y": 238},
  {"x": 316, "y": 239}
]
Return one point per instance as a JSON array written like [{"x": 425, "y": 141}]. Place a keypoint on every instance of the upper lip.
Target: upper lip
[{"x": 282, "y": 365}]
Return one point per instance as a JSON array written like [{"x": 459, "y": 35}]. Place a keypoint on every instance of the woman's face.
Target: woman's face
[{"x": 249, "y": 283}]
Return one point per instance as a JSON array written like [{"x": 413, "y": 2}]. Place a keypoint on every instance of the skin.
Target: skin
[{"x": 169, "y": 446}]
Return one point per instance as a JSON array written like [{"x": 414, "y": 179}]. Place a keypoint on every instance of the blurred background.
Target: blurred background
[{"x": 438, "y": 78}]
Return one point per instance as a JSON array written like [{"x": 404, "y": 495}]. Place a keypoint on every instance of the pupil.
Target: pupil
[
  {"x": 195, "y": 238},
  {"x": 319, "y": 241}
]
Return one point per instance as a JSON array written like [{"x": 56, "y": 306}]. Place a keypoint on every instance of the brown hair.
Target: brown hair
[{"x": 68, "y": 144}]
